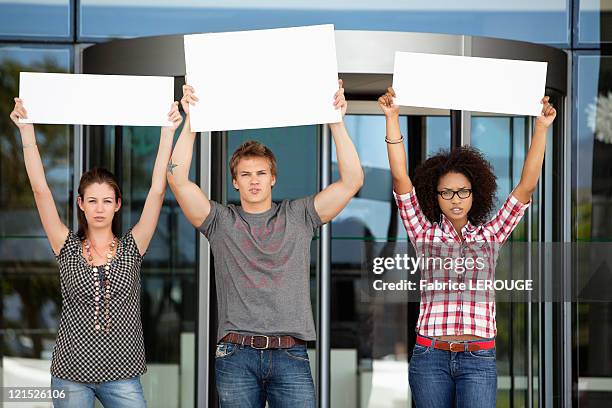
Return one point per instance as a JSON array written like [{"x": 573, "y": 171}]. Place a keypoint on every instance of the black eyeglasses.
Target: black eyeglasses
[{"x": 449, "y": 194}]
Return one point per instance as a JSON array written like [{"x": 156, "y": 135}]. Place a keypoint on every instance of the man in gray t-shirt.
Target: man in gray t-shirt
[
  {"x": 262, "y": 264},
  {"x": 261, "y": 253}
]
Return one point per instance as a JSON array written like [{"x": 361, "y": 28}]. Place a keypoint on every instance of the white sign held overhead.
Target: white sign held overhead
[
  {"x": 469, "y": 83},
  {"x": 86, "y": 99},
  {"x": 263, "y": 78}
]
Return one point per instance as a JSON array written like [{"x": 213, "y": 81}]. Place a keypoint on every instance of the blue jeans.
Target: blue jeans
[
  {"x": 440, "y": 379},
  {"x": 247, "y": 377},
  {"x": 112, "y": 394}
]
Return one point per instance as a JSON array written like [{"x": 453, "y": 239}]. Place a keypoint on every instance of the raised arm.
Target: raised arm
[
  {"x": 54, "y": 227},
  {"x": 395, "y": 144},
  {"x": 535, "y": 156},
  {"x": 331, "y": 200},
  {"x": 145, "y": 228},
  {"x": 191, "y": 198}
]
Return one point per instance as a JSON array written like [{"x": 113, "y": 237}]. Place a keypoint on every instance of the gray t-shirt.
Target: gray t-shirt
[{"x": 262, "y": 267}]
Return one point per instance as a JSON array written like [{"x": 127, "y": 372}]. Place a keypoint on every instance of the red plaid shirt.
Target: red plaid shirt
[{"x": 457, "y": 312}]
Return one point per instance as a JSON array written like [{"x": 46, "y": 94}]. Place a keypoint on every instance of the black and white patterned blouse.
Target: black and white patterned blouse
[{"x": 82, "y": 353}]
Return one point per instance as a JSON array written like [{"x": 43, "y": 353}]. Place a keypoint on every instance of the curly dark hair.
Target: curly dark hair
[{"x": 465, "y": 160}]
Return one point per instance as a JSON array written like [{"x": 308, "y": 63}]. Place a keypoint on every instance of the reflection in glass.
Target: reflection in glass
[
  {"x": 370, "y": 214},
  {"x": 592, "y": 200},
  {"x": 499, "y": 139},
  {"x": 504, "y": 141},
  {"x": 519, "y": 20},
  {"x": 29, "y": 280},
  {"x": 594, "y": 22},
  {"x": 18, "y": 213},
  {"x": 370, "y": 340},
  {"x": 295, "y": 149},
  {"x": 35, "y": 18},
  {"x": 438, "y": 134}
]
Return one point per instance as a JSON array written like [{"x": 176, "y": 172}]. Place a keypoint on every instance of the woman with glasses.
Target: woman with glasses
[{"x": 453, "y": 362}]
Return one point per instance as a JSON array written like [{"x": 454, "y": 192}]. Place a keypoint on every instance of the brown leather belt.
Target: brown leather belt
[
  {"x": 456, "y": 345},
  {"x": 263, "y": 342}
]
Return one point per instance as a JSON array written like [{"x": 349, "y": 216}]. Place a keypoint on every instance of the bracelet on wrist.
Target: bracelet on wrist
[{"x": 396, "y": 141}]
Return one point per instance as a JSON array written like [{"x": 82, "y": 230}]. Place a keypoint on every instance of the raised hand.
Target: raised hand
[
  {"x": 339, "y": 100},
  {"x": 548, "y": 114},
  {"x": 188, "y": 98},
  {"x": 19, "y": 112},
  {"x": 174, "y": 116},
  {"x": 386, "y": 103}
]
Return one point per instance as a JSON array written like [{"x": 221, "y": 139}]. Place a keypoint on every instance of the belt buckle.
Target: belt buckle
[
  {"x": 451, "y": 344},
  {"x": 260, "y": 348}
]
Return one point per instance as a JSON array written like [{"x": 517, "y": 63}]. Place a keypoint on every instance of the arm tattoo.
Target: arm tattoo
[{"x": 171, "y": 167}]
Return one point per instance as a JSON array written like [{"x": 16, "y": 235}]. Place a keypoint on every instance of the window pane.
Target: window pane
[
  {"x": 295, "y": 149},
  {"x": 502, "y": 140},
  {"x": 18, "y": 213},
  {"x": 35, "y": 18},
  {"x": 542, "y": 22},
  {"x": 371, "y": 337},
  {"x": 31, "y": 304},
  {"x": 595, "y": 22},
  {"x": 370, "y": 214},
  {"x": 592, "y": 201},
  {"x": 30, "y": 294},
  {"x": 438, "y": 134},
  {"x": 495, "y": 138}
]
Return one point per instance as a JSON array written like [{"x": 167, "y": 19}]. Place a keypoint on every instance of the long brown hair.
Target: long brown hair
[{"x": 100, "y": 176}]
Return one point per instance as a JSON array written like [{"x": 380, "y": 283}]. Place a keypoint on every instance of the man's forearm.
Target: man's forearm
[
  {"x": 180, "y": 161},
  {"x": 349, "y": 165}
]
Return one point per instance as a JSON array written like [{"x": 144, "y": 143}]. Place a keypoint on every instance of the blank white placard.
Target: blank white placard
[
  {"x": 86, "y": 99},
  {"x": 262, "y": 78},
  {"x": 469, "y": 83}
]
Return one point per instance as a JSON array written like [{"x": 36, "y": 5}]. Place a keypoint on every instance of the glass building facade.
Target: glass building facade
[{"x": 370, "y": 343}]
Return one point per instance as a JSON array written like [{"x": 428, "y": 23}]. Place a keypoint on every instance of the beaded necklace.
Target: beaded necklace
[{"x": 102, "y": 281}]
